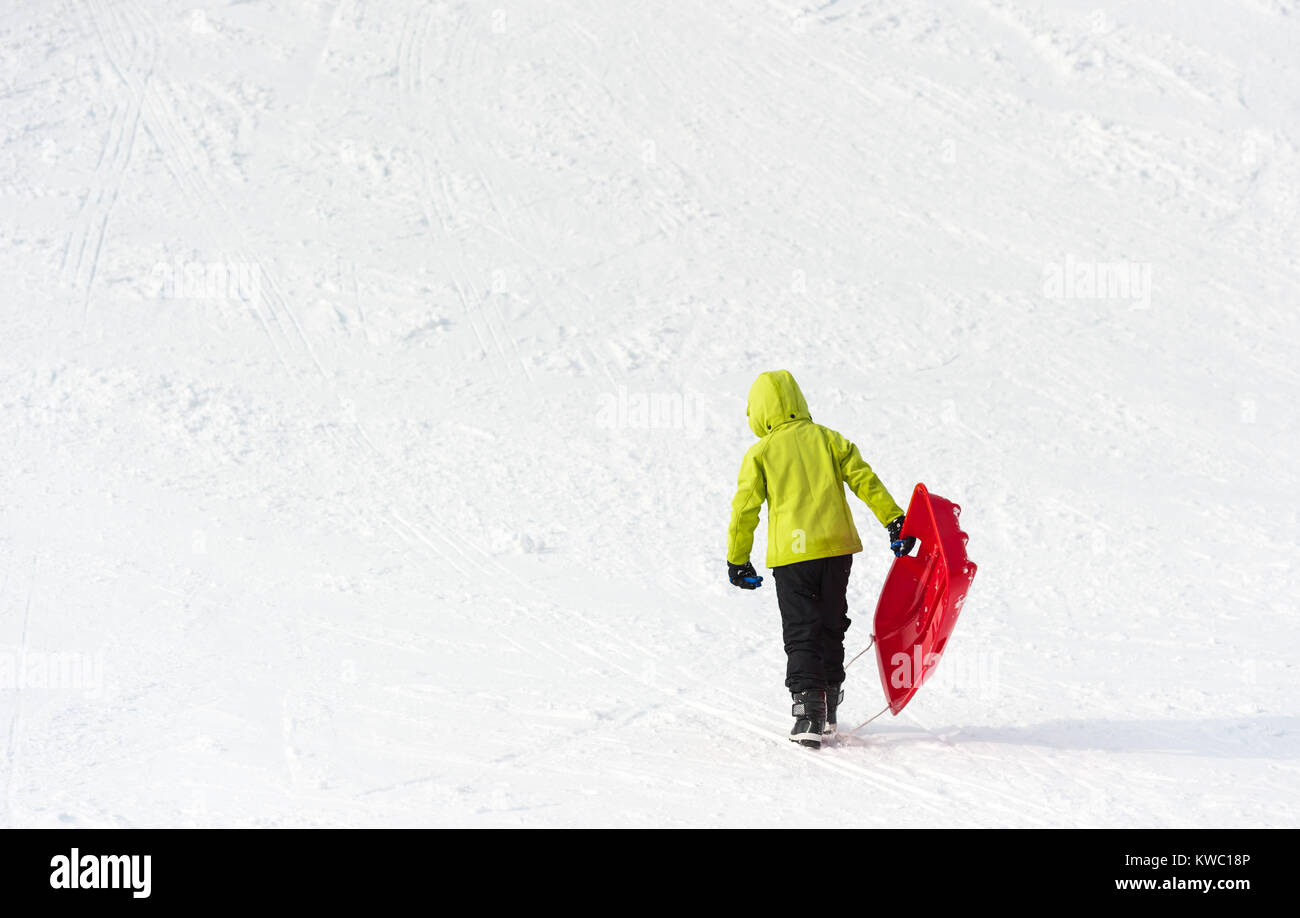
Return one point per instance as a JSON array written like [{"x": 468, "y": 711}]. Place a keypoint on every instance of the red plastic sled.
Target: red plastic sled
[{"x": 922, "y": 597}]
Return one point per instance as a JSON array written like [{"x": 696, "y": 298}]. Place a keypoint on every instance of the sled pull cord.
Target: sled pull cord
[
  {"x": 870, "y": 644},
  {"x": 864, "y": 650},
  {"x": 869, "y": 720}
]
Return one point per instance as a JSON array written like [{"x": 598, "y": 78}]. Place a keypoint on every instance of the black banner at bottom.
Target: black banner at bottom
[{"x": 131, "y": 868}]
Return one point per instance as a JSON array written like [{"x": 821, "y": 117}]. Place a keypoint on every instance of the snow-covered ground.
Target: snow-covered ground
[{"x": 372, "y": 384}]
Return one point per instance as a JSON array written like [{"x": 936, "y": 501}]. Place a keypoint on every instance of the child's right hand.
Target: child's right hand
[
  {"x": 744, "y": 576},
  {"x": 900, "y": 545}
]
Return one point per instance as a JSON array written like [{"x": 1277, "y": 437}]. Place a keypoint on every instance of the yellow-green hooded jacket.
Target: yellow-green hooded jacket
[{"x": 800, "y": 469}]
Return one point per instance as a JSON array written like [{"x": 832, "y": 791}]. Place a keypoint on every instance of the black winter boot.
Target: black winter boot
[
  {"x": 809, "y": 712},
  {"x": 834, "y": 696}
]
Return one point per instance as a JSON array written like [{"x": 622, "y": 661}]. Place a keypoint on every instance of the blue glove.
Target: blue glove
[
  {"x": 900, "y": 545},
  {"x": 744, "y": 576}
]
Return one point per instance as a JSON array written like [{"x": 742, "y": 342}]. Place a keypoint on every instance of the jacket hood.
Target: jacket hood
[{"x": 775, "y": 399}]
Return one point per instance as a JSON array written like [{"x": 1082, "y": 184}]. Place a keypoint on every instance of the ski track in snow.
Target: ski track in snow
[{"x": 294, "y": 539}]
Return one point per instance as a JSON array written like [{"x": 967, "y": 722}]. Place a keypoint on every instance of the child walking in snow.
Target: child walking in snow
[{"x": 800, "y": 469}]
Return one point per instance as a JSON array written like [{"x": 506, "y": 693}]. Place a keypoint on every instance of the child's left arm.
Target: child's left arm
[{"x": 751, "y": 491}]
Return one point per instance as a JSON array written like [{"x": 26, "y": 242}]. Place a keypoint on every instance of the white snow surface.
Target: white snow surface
[{"x": 329, "y": 490}]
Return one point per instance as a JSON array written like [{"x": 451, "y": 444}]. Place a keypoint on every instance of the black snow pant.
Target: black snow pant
[{"x": 814, "y": 617}]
